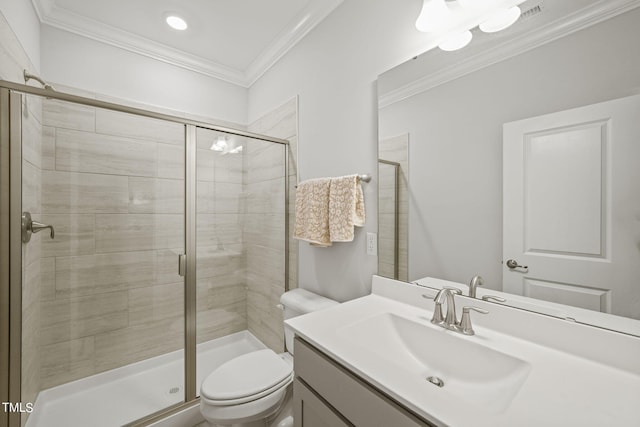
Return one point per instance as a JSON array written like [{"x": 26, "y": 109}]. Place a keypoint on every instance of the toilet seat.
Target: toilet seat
[{"x": 246, "y": 378}]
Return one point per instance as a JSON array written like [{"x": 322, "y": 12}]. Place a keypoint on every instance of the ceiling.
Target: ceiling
[{"x": 233, "y": 40}]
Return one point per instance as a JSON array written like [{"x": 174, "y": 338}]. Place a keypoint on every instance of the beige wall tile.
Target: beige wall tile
[
  {"x": 95, "y": 153},
  {"x": 48, "y": 148},
  {"x": 71, "y": 192},
  {"x": 280, "y": 122},
  {"x": 155, "y": 195},
  {"x": 67, "y": 115},
  {"x": 268, "y": 262},
  {"x": 75, "y": 234},
  {"x": 222, "y": 321},
  {"x": 138, "y": 342},
  {"x": 228, "y": 168},
  {"x": 31, "y": 133},
  {"x": 266, "y": 197},
  {"x": 264, "y": 161},
  {"x": 31, "y": 188},
  {"x": 48, "y": 278},
  {"x": 171, "y": 159},
  {"x": 139, "y": 127},
  {"x": 100, "y": 273},
  {"x": 67, "y": 361},
  {"x": 66, "y": 319},
  {"x": 206, "y": 197},
  {"x": 228, "y": 198},
  {"x": 205, "y": 165},
  {"x": 154, "y": 303},
  {"x": 137, "y": 232},
  {"x": 214, "y": 262}
]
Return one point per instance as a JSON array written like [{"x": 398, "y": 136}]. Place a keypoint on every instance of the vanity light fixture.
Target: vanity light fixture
[
  {"x": 502, "y": 19},
  {"x": 450, "y": 18},
  {"x": 434, "y": 16},
  {"x": 176, "y": 22},
  {"x": 456, "y": 41}
]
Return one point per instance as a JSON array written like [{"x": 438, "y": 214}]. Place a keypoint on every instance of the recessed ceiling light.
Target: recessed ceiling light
[{"x": 177, "y": 23}]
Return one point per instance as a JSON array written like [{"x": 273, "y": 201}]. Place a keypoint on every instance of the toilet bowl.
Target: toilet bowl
[{"x": 252, "y": 389}]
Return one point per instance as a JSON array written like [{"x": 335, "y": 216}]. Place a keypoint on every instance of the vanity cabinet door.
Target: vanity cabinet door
[
  {"x": 347, "y": 394},
  {"x": 310, "y": 410}
]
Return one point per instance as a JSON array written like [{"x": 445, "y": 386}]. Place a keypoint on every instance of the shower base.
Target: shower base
[{"x": 123, "y": 395}]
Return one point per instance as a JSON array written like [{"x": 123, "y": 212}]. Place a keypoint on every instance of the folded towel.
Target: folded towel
[
  {"x": 312, "y": 212},
  {"x": 346, "y": 208}
]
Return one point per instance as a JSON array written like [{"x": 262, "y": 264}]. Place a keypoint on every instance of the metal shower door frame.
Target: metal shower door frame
[{"x": 11, "y": 241}]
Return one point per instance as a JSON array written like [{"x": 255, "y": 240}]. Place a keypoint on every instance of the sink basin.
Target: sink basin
[{"x": 442, "y": 359}]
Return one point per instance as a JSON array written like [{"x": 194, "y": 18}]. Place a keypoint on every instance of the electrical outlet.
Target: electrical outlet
[{"x": 372, "y": 244}]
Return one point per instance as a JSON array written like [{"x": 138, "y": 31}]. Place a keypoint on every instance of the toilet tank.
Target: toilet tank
[{"x": 297, "y": 302}]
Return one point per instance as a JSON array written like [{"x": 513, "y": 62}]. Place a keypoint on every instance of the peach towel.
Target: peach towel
[
  {"x": 328, "y": 209},
  {"x": 312, "y": 212}
]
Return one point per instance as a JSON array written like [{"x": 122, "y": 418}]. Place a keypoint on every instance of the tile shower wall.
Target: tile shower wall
[
  {"x": 13, "y": 60},
  {"x": 394, "y": 149},
  {"x": 264, "y": 224},
  {"x": 221, "y": 264},
  {"x": 112, "y": 186}
]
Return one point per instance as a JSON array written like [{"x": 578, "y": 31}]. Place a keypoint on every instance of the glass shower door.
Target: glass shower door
[{"x": 102, "y": 299}]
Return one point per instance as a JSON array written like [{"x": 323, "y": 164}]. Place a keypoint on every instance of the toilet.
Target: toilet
[{"x": 253, "y": 389}]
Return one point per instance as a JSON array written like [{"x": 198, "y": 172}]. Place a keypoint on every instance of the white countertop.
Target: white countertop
[{"x": 562, "y": 388}]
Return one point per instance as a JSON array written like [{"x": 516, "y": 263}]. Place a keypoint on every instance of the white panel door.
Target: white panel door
[{"x": 571, "y": 199}]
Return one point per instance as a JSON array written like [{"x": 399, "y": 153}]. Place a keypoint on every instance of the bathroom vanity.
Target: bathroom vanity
[{"x": 378, "y": 360}]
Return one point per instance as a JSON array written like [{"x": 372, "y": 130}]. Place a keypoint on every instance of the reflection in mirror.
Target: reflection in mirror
[
  {"x": 393, "y": 218},
  {"x": 553, "y": 93}
]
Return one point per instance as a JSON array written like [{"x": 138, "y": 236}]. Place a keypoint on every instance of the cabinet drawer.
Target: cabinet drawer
[
  {"x": 356, "y": 400},
  {"x": 310, "y": 410}
]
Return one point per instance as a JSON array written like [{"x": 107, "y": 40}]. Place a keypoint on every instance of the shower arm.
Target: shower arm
[{"x": 28, "y": 76}]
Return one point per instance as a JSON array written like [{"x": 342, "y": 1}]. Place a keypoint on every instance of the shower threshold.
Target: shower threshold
[{"x": 125, "y": 394}]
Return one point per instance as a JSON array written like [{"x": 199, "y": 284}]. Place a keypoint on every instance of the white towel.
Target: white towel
[
  {"x": 312, "y": 212},
  {"x": 346, "y": 208}
]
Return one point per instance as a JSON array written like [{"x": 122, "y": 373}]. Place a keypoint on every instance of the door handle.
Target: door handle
[
  {"x": 182, "y": 264},
  {"x": 512, "y": 263},
  {"x": 30, "y": 227}
]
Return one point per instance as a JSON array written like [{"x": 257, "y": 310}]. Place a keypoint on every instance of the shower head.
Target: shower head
[{"x": 28, "y": 76}]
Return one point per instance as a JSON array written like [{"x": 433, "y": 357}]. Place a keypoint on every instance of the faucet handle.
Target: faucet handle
[
  {"x": 493, "y": 298},
  {"x": 437, "y": 311},
  {"x": 465, "y": 321}
]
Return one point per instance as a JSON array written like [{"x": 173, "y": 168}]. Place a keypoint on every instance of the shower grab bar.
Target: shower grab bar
[{"x": 30, "y": 227}]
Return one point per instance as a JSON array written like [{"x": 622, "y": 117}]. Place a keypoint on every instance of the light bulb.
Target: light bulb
[
  {"x": 500, "y": 20},
  {"x": 456, "y": 41},
  {"x": 433, "y": 17}
]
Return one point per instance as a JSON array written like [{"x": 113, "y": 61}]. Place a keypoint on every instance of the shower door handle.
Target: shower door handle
[
  {"x": 30, "y": 227},
  {"x": 182, "y": 264}
]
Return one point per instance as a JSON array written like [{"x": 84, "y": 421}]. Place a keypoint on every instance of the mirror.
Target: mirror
[{"x": 449, "y": 108}]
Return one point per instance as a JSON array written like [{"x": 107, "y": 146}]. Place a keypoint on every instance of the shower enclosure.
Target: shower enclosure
[{"x": 138, "y": 250}]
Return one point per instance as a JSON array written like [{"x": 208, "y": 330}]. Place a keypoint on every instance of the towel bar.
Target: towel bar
[{"x": 363, "y": 177}]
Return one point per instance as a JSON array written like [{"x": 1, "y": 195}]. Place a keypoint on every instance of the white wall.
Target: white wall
[
  {"x": 334, "y": 71},
  {"x": 455, "y": 129},
  {"x": 24, "y": 22},
  {"x": 76, "y": 61}
]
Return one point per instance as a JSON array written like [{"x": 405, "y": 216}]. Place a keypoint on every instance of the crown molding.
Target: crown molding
[
  {"x": 311, "y": 16},
  {"x": 49, "y": 13},
  {"x": 551, "y": 31}
]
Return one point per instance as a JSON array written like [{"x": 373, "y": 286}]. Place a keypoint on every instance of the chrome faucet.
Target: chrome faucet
[
  {"x": 450, "y": 321},
  {"x": 473, "y": 287}
]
